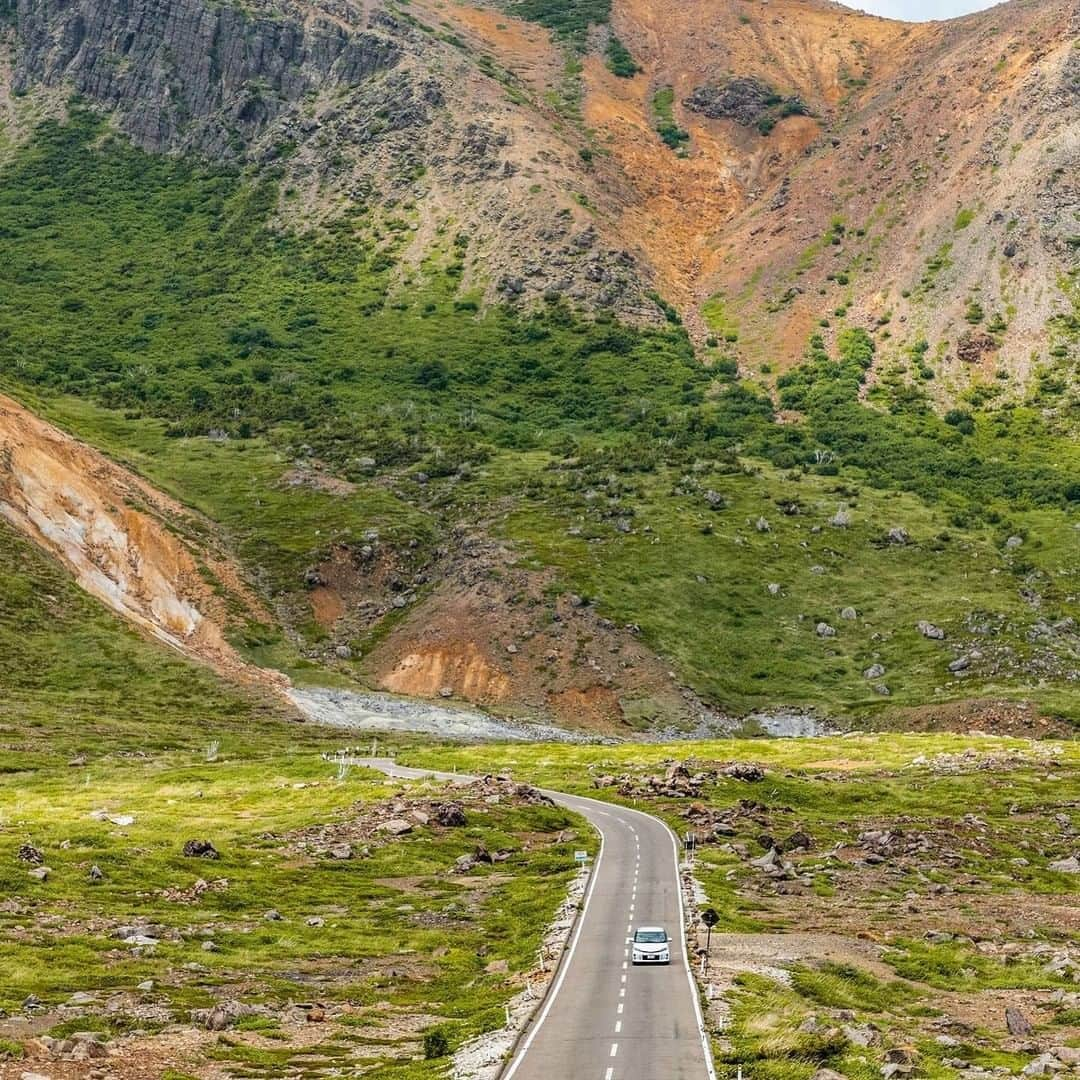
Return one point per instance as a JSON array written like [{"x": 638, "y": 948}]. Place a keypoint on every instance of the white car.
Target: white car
[{"x": 651, "y": 945}]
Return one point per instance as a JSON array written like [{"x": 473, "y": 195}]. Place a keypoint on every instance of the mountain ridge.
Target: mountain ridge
[{"x": 401, "y": 336}]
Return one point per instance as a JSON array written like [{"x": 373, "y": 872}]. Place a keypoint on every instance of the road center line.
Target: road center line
[
  {"x": 610, "y": 1073},
  {"x": 614, "y": 1049},
  {"x": 618, "y": 1026}
]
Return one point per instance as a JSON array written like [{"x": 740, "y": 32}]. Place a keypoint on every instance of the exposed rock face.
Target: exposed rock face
[
  {"x": 191, "y": 74},
  {"x": 742, "y": 99},
  {"x": 354, "y": 104}
]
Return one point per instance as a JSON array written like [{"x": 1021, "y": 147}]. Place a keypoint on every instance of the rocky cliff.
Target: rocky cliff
[
  {"x": 192, "y": 75},
  {"x": 351, "y": 103}
]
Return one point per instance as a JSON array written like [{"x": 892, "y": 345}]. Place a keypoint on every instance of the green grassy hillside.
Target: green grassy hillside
[{"x": 162, "y": 311}]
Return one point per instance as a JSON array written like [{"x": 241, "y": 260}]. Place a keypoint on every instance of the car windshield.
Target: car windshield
[{"x": 651, "y": 937}]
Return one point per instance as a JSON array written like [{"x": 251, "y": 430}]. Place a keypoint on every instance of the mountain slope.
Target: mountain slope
[{"x": 510, "y": 372}]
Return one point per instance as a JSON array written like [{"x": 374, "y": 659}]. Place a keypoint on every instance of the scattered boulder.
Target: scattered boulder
[
  {"x": 395, "y": 827},
  {"x": 225, "y": 1014},
  {"x": 898, "y": 536},
  {"x": 848, "y": 613},
  {"x": 340, "y": 851},
  {"x": 1043, "y": 1065},
  {"x": 874, "y": 671},
  {"x": 929, "y": 630},
  {"x": 200, "y": 849},
  {"x": 743, "y": 770},
  {"x": 824, "y": 630},
  {"x": 774, "y": 588},
  {"x": 973, "y": 345},
  {"x": 450, "y": 815},
  {"x": 1017, "y": 1023},
  {"x": 27, "y": 853},
  {"x": 40, "y": 873},
  {"x": 80, "y": 1046},
  {"x": 1071, "y": 865}
]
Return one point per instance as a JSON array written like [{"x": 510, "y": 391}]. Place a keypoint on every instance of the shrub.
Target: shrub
[
  {"x": 619, "y": 61},
  {"x": 436, "y": 1044}
]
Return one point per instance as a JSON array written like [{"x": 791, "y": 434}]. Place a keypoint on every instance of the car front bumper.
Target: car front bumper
[{"x": 651, "y": 958}]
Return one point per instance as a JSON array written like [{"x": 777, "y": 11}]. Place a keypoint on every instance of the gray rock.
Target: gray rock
[
  {"x": 1043, "y": 1065},
  {"x": 848, "y": 613},
  {"x": 343, "y": 652},
  {"x": 961, "y": 663},
  {"x": 200, "y": 849},
  {"x": 27, "y": 853},
  {"x": 929, "y": 630},
  {"x": 824, "y": 630},
  {"x": 395, "y": 827},
  {"x": 874, "y": 671},
  {"x": 898, "y": 536},
  {"x": 774, "y": 588},
  {"x": 1017, "y": 1023},
  {"x": 1013, "y": 543},
  {"x": 1071, "y": 865}
]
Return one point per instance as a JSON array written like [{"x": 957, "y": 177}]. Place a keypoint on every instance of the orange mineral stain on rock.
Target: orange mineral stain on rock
[
  {"x": 109, "y": 528},
  {"x": 463, "y": 669}
]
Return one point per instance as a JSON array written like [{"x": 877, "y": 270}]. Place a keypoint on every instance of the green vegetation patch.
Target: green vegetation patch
[{"x": 663, "y": 103}]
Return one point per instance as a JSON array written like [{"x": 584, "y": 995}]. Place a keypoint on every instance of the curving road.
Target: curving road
[{"x": 604, "y": 1019}]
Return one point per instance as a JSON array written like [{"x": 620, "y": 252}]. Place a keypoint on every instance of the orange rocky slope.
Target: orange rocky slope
[
  {"x": 944, "y": 149},
  {"x": 121, "y": 540}
]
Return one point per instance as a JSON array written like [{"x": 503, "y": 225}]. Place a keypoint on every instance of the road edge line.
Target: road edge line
[
  {"x": 710, "y": 1066},
  {"x": 525, "y": 1039},
  {"x": 695, "y": 993}
]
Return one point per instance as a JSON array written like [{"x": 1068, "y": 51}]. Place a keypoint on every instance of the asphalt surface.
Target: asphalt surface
[{"x": 604, "y": 1018}]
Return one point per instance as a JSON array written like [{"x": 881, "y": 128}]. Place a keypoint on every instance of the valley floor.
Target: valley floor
[{"x": 883, "y": 900}]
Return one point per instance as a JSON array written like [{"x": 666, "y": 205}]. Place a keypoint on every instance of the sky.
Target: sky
[{"x": 920, "y": 10}]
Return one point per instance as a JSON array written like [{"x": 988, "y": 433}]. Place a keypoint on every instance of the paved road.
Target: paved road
[{"x": 603, "y": 1018}]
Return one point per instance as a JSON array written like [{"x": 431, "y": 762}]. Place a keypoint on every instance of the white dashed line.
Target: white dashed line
[
  {"x": 609, "y": 1074},
  {"x": 618, "y": 1026},
  {"x": 620, "y": 1009},
  {"x": 614, "y": 1049}
]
